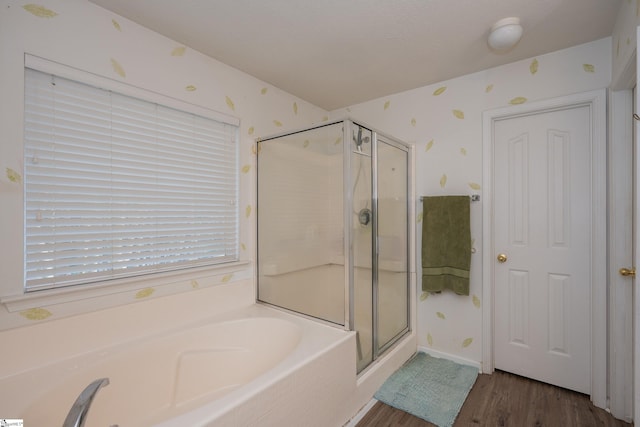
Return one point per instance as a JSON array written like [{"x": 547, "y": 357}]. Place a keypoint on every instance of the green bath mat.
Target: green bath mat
[{"x": 429, "y": 388}]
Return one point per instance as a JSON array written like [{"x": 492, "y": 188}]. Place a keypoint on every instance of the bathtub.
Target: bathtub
[
  {"x": 254, "y": 366},
  {"x": 319, "y": 292}
]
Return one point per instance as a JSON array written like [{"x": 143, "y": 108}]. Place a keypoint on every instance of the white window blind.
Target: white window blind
[{"x": 118, "y": 187}]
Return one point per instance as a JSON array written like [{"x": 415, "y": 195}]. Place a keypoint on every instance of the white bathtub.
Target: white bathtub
[
  {"x": 256, "y": 366},
  {"x": 319, "y": 291}
]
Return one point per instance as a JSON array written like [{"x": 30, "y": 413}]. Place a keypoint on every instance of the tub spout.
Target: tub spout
[{"x": 78, "y": 413}]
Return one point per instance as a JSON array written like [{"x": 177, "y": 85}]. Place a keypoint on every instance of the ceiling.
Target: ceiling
[{"x": 336, "y": 53}]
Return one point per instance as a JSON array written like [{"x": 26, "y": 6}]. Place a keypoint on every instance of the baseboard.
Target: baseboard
[
  {"x": 453, "y": 358},
  {"x": 361, "y": 413}
]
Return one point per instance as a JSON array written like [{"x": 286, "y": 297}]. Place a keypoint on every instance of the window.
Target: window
[{"x": 116, "y": 186}]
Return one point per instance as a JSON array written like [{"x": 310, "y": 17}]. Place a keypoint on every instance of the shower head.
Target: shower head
[{"x": 360, "y": 140}]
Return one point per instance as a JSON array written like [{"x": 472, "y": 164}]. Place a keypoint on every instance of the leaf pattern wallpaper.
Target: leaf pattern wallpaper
[
  {"x": 428, "y": 146},
  {"x": 13, "y": 176},
  {"x": 443, "y": 181},
  {"x": 39, "y": 11},
  {"x": 36, "y": 313},
  {"x": 144, "y": 293},
  {"x": 178, "y": 51},
  {"x": 117, "y": 68},
  {"x": 439, "y": 91},
  {"x": 108, "y": 45},
  {"x": 230, "y": 103},
  {"x": 444, "y": 121}
]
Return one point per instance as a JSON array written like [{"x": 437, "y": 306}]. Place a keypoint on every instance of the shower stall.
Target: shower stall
[{"x": 333, "y": 212}]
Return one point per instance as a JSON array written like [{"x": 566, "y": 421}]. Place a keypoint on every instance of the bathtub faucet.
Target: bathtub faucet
[{"x": 78, "y": 413}]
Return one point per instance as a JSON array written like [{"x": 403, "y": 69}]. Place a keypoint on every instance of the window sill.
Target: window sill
[{"x": 119, "y": 291}]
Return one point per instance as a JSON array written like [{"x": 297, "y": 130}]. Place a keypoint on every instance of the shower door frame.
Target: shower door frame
[
  {"x": 401, "y": 146},
  {"x": 349, "y": 124},
  {"x": 349, "y": 318}
]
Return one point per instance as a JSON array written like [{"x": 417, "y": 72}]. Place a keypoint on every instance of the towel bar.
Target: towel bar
[{"x": 473, "y": 197}]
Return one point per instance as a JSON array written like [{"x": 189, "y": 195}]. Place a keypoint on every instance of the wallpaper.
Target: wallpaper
[
  {"x": 444, "y": 121},
  {"x": 78, "y": 34}
]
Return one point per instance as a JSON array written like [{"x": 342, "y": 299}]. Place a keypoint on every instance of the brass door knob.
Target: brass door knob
[
  {"x": 502, "y": 258},
  {"x": 628, "y": 272}
]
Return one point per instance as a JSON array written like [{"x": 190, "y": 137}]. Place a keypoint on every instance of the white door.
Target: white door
[
  {"x": 636, "y": 260},
  {"x": 636, "y": 242},
  {"x": 542, "y": 237},
  {"x": 636, "y": 294}
]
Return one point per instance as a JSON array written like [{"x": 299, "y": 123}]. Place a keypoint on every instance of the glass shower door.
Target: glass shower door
[
  {"x": 391, "y": 293},
  {"x": 362, "y": 244},
  {"x": 379, "y": 232}
]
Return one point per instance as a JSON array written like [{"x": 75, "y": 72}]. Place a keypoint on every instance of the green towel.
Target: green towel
[{"x": 446, "y": 244}]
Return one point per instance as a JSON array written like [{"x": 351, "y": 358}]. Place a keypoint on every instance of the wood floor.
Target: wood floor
[{"x": 504, "y": 399}]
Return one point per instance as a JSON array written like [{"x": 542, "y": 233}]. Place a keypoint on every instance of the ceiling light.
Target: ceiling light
[{"x": 505, "y": 34}]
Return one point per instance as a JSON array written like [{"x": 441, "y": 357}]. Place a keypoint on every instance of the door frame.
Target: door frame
[
  {"x": 620, "y": 154},
  {"x": 596, "y": 101},
  {"x": 622, "y": 382}
]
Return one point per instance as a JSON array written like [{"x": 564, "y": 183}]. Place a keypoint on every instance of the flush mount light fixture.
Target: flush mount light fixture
[{"x": 505, "y": 34}]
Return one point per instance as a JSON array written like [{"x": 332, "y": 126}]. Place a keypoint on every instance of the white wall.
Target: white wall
[
  {"x": 444, "y": 120},
  {"x": 81, "y": 35}
]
